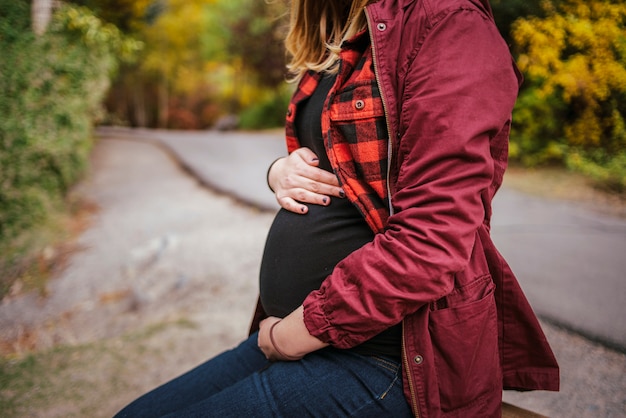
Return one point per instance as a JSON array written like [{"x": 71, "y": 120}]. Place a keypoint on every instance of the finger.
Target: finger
[
  {"x": 296, "y": 173},
  {"x": 308, "y": 156},
  {"x": 291, "y": 205},
  {"x": 316, "y": 190},
  {"x": 310, "y": 194},
  {"x": 321, "y": 176},
  {"x": 327, "y": 190},
  {"x": 303, "y": 163}
]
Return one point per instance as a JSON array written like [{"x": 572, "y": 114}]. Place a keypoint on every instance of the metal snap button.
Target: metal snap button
[
  {"x": 359, "y": 104},
  {"x": 381, "y": 27},
  {"x": 418, "y": 359}
]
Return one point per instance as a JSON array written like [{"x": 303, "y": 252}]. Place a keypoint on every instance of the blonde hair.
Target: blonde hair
[{"x": 316, "y": 31}]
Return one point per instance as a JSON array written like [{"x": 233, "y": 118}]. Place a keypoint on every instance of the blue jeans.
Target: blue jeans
[{"x": 242, "y": 383}]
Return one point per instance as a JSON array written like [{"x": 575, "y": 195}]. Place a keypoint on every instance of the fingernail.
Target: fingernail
[
  {"x": 342, "y": 193},
  {"x": 302, "y": 209},
  {"x": 325, "y": 200},
  {"x": 314, "y": 160}
]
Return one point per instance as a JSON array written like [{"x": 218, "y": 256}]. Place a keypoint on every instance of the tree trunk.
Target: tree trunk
[
  {"x": 41, "y": 12},
  {"x": 139, "y": 105},
  {"x": 164, "y": 98}
]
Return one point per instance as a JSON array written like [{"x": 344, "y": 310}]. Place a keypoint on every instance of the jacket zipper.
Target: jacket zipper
[
  {"x": 405, "y": 356},
  {"x": 405, "y": 359},
  {"x": 382, "y": 97}
]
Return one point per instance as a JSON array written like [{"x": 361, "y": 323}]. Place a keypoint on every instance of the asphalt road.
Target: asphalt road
[{"x": 569, "y": 260}]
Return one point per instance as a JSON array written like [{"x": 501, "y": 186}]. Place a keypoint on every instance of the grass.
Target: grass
[
  {"x": 39, "y": 380},
  {"x": 80, "y": 381},
  {"x": 28, "y": 261}
]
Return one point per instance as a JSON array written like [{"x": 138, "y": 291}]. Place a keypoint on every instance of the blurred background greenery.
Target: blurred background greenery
[{"x": 199, "y": 64}]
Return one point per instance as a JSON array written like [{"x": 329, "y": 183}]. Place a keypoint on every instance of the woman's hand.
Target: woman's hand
[
  {"x": 297, "y": 179},
  {"x": 287, "y": 339},
  {"x": 267, "y": 341}
]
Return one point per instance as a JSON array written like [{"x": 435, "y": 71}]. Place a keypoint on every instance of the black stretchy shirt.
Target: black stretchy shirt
[{"x": 302, "y": 250}]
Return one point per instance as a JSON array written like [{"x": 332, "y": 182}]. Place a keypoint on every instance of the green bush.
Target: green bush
[
  {"x": 608, "y": 171},
  {"x": 51, "y": 88},
  {"x": 266, "y": 113},
  {"x": 538, "y": 137}
]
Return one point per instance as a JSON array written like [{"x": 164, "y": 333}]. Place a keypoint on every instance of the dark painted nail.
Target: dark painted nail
[
  {"x": 342, "y": 193},
  {"x": 325, "y": 200},
  {"x": 302, "y": 209}
]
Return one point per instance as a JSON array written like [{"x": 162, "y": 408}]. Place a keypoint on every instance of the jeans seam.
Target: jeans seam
[
  {"x": 377, "y": 398},
  {"x": 393, "y": 382},
  {"x": 386, "y": 364},
  {"x": 262, "y": 387}
]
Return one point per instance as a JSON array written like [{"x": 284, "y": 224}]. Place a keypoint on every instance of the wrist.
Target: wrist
[
  {"x": 269, "y": 170},
  {"x": 277, "y": 346},
  {"x": 300, "y": 342}
]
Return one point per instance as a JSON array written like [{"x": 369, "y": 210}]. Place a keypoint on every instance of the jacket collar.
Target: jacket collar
[{"x": 482, "y": 4}]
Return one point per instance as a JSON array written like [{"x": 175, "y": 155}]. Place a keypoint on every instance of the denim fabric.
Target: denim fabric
[{"x": 242, "y": 383}]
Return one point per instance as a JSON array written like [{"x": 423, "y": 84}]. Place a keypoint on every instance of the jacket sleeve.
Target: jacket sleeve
[{"x": 459, "y": 91}]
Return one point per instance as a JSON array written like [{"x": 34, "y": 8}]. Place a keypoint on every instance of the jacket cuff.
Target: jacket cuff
[{"x": 318, "y": 323}]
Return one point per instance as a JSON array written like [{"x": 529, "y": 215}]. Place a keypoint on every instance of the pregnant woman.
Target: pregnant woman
[{"x": 381, "y": 292}]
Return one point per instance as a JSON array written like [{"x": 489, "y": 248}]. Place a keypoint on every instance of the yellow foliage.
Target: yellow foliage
[
  {"x": 139, "y": 7},
  {"x": 174, "y": 42},
  {"x": 579, "y": 52}
]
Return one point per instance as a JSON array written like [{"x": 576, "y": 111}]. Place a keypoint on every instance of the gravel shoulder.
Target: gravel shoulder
[{"x": 166, "y": 278}]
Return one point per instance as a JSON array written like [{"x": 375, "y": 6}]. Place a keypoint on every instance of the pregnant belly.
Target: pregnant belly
[{"x": 302, "y": 250}]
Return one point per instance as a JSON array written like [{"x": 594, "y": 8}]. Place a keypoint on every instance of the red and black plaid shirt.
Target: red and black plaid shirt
[{"x": 354, "y": 129}]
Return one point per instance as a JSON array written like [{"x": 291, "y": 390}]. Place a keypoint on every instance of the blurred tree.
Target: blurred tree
[
  {"x": 202, "y": 58},
  {"x": 257, "y": 37},
  {"x": 127, "y": 98},
  {"x": 174, "y": 54},
  {"x": 575, "y": 63},
  {"x": 171, "y": 62},
  {"x": 247, "y": 37}
]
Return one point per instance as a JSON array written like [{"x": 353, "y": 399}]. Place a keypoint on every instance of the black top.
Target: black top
[{"x": 302, "y": 250}]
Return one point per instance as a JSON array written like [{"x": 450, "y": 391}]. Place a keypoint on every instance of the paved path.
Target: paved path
[{"x": 569, "y": 260}]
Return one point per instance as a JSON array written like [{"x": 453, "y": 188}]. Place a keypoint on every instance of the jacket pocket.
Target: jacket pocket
[
  {"x": 358, "y": 141},
  {"x": 465, "y": 346},
  {"x": 357, "y": 101}
]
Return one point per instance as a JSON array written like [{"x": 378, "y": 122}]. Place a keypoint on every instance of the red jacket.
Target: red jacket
[{"x": 431, "y": 120}]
